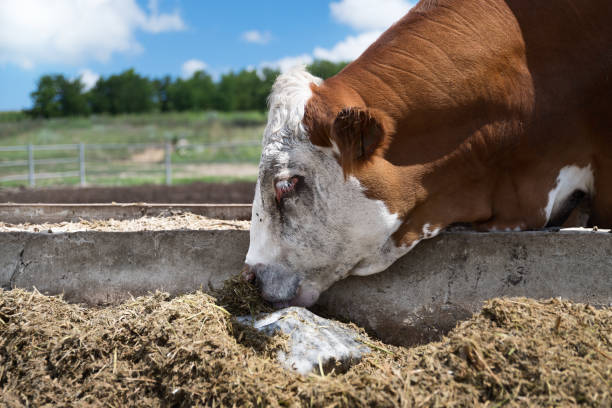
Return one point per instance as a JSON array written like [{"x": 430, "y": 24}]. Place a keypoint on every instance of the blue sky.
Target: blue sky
[{"x": 157, "y": 37}]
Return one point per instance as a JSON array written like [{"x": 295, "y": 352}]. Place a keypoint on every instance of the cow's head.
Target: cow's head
[{"x": 312, "y": 223}]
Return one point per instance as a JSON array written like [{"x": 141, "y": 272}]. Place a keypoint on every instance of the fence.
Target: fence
[{"x": 77, "y": 160}]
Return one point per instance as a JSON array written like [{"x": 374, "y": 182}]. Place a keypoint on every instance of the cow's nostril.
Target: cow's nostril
[{"x": 247, "y": 273}]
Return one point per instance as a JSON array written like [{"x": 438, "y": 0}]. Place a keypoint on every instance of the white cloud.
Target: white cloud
[
  {"x": 349, "y": 48},
  {"x": 88, "y": 78},
  {"x": 157, "y": 23},
  {"x": 73, "y": 31},
  {"x": 164, "y": 22},
  {"x": 192, "y": 66},
  {"x": 369, "y": 15},
  {"x": 285, "y": 64},
  {"x": 257, "y": 37}
]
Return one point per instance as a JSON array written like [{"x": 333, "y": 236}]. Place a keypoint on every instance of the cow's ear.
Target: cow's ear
[{"x": 360, "y": 134}]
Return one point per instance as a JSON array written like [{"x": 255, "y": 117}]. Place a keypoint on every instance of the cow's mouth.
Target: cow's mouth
[
  {"x": 280, "y": 288},
  {"x": 305, "y": 297}
]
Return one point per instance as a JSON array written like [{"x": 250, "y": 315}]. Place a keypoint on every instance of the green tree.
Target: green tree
[
  {"x": 46, "y": 98},
  {"x": 325, "y": 69},
  {"x": 195, "y": 93},
  {"x": 100, "y": 96},
  {"x": 246, "y": 86},
  {"x": 127, "y": 92},
  {"x": 73, "y": 101},
  {"x": 231, "y": 95},
  {"x": 161, "y": 88},
  {"x": 268, "y": 76},
  {"x": 244, "y": 90},
  {"x": 180, "y": 97},
  {"x": 203, "y": 89},
  {"x": 57, "y": 96}
]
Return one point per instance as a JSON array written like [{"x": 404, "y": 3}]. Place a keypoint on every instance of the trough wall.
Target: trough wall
[{"x": 420, "y": 297}]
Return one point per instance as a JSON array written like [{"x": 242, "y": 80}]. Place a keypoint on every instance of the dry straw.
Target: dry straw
[{"x": 186, "y": 351}]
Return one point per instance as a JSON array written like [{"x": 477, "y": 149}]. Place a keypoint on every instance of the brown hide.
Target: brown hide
[
  {"x": 488, "y": 100},
  {"x": 361, "y": 134}
]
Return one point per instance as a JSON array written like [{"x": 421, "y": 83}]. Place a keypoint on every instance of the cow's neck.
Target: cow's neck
[
  {"x": 444, "y": 101},
  {"x": 428, "y": 198}
]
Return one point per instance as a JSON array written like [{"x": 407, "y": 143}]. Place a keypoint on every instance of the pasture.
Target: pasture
[{"x": 131, "y": 149}]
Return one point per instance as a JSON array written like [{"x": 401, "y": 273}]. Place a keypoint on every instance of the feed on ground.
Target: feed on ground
[{"x": 160, "y": 351}]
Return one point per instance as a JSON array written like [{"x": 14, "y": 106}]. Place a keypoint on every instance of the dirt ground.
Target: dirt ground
[
  {"x": 195, "y": 193},
  {"x": 218, "y": 169},
  {"x": 188, "y": 351}
]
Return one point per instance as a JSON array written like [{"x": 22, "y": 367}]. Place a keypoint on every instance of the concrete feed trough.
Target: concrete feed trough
[{"x": 420, "y": 297}]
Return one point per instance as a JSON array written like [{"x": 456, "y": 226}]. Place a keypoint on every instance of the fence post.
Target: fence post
[
  {"x": 31, "y": 179},
  {"x": 168, "y": 164},
  {"x": 82, "y": 163}
]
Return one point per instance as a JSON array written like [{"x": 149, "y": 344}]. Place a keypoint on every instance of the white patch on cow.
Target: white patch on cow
[
  {"x": 428, "y": 233},
  {"x": 380, "y": 230},
  {"x": 570, "y": 179},
  {"x": 287, "y": 103},
  {"x": 382, "y": 261},
  {"x": 426, "y": 229},
  {"x": 261, "y": 247}
]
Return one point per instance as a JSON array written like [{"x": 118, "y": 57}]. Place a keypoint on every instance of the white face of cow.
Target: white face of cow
[{"x": 310, "y": 227}]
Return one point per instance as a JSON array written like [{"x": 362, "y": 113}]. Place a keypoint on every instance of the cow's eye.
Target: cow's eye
[{"x": 285, "y": 186}]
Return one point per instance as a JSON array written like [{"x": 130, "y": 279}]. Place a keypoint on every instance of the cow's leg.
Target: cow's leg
[
  {"x": 514, "y": 218},
  {"x": 574, "y": 212},
  {"x": 601, "y": 208},
  {"x": 579, "y": 216}
]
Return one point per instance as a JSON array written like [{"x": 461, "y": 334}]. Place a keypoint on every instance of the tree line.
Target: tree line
[{"x": 130, "y": 92}]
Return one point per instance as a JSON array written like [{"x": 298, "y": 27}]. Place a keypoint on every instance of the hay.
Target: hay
[
  {"x": 241, "y": 298},
  {"x": 173, "y": 220},
  {"x": 157, "y": 351}
]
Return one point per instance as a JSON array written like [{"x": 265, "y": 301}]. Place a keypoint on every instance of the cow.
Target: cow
[{"x": 493, "y": 115}]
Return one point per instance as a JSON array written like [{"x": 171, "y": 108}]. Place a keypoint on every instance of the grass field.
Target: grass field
[
  {"x": 197, "y": 127},
  {"x": 127, "y": 166}
]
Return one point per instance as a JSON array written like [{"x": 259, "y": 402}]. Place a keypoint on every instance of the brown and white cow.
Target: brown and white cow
[{"x": 495, "y": 114}]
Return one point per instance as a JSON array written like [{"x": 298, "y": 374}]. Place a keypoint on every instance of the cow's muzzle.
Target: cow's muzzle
[{"x": 279, "y": 286}]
